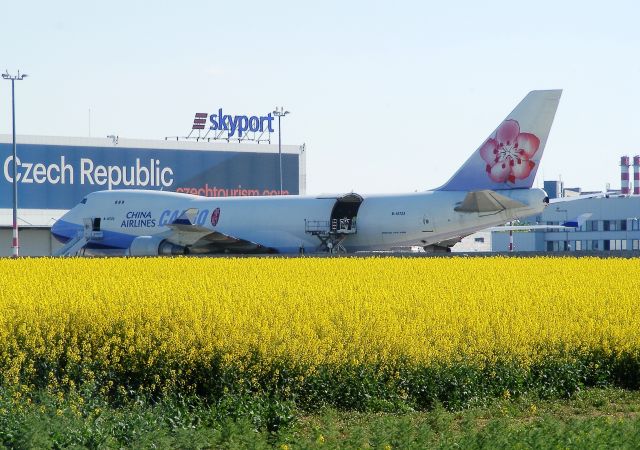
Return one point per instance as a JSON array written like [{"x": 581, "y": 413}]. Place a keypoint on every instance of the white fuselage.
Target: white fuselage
[{"x": 278, "y": 223}]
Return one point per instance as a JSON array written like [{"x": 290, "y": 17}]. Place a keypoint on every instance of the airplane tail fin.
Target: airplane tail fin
[{"x": 510, "y": 156}]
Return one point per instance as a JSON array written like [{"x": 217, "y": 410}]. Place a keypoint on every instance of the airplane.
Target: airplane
[{"x": 493, "y": 187}]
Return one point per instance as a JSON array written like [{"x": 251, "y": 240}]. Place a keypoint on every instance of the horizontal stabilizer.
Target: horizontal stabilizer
[
  {"x": 578, "y": 221},
  {"x": 568, "y": 225},
  {"x": 530, "y": 228},
  {"x": 487, "y": 201}
]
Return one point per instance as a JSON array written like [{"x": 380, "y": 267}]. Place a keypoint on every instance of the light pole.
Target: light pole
[
  {"x": 13, "y": 78},
  {"x": 280, "y": 113}
]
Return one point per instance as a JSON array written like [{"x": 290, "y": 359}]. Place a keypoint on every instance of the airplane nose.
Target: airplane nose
[
  {"x": 56, "y": 230},
  {"x": 62, "y": 230}
]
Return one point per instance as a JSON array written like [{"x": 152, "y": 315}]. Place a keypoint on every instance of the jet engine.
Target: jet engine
[{"x": 154, "y": 246}]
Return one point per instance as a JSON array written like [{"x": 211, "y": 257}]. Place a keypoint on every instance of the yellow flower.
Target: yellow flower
[{"x": 149, "y": 314}]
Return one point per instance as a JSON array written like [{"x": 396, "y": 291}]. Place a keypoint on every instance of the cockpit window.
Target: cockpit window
[{"x": 84, "y": 200}]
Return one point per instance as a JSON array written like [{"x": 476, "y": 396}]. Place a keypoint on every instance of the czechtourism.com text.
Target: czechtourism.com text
[{"x": 214, "y": 191}]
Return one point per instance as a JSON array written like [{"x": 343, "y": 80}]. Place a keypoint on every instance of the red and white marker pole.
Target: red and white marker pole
[
  {"x": 15, "y": 244},
  {"x": 510, "y": 240}
]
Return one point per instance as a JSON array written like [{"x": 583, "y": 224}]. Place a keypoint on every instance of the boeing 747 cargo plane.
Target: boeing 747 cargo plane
[{"x": 494, "y": 186}]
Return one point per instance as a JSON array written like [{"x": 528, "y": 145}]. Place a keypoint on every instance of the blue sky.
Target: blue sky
[{"x": 387, "y": 96}]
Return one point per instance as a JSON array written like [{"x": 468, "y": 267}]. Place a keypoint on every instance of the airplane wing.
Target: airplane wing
[{"x": 184, "y": 232}]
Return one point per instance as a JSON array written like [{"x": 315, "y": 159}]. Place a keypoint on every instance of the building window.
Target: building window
[
  {"x": 635, "y": 244},
  {"x": 592, "y": 225},
  {"x": 623, "y": 225},
  {"x": 578, "y": 245},
  {"x": 556, "y": 246},
  {"x": 615, "y": 244},
  {"x": 594, "y": 245},
  {"x": 559, "y": 246},
  {"x": 635, "y": 224},
  {"x": 606, "y": 227},
  {"x": 479, "y": 239}
]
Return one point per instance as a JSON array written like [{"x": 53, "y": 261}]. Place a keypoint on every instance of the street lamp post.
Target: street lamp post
[
  {"x": 280, "y": 113},
  {"x": 13, "y": 78}
]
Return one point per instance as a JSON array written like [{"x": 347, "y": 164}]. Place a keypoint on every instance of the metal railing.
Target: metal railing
[{"x": 342, "y": 226}]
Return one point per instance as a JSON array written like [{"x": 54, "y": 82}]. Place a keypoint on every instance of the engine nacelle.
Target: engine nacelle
[{"x": 154, "y": 246}]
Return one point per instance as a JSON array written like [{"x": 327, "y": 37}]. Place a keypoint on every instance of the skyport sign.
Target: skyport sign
[{"x": 234, "y": 124}]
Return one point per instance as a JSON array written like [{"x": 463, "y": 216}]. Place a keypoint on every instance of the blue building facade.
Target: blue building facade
[{"x": 56, "y": 173}]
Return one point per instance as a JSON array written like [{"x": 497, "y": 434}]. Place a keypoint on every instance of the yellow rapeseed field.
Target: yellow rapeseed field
[{"x": 130, "y": 314}]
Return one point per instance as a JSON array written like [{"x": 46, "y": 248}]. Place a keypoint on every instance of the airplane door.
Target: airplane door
[
  {"x": 427, "y": 223},
  {"x": 92, "y": 227},
  {"x": 344, "y": 212},
  {"x": 91, "y": 224}
]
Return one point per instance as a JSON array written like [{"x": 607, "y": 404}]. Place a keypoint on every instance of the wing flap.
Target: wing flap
[
  {"x": 183, "y": 231},
  {"x": 197, "y": 236}
]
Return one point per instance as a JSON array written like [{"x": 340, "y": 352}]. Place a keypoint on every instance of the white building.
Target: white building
[
  {"x": 614, "y": 224},
  {"x": 476, "y": 242}
]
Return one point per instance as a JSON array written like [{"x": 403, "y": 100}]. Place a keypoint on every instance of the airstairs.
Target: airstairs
[{"x": 75, "y": 246}]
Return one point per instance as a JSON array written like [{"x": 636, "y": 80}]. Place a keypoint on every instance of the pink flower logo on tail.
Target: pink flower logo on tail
[{"x": 508, "y": 153}]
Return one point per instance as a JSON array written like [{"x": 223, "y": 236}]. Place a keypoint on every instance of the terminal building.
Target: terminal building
[
  {"x": 55, "y": 173},
  {"x": 613, "y": 221}
]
